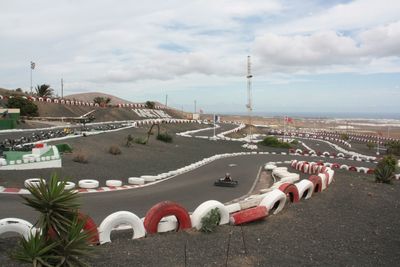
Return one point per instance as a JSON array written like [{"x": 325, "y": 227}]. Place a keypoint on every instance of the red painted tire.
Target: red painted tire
[
  {"x": 90, "y": 226},
  {"x": 249, "y": 215},
  {"x": 335, "y": 166},
  {"x": 166, "y": 208},
  {"x": 323, "y": 169},
  {"x": 291, "y": 191},
  {"x": 317, "y": 181},
  {"x": 371, "y": 171},
  {"x": 352, "y": 168}
]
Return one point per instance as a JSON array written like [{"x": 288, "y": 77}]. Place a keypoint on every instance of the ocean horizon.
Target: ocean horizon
[{"x": 324, "y": 115}]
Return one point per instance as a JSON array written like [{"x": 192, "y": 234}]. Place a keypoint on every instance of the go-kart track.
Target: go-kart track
[{"x": 194, "y": 188}]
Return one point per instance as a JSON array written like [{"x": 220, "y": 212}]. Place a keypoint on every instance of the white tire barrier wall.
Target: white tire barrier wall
[
  {"x": 120, "y": 218},
  {"x": 274, "y": 201},
  {"x": 136, "y": 181},
  {"x": 305, "y": 188},
  {"x": 88, "y": 184},
  {"x": 113, "y": 183},
  {"x": 167, "y": 224},
  {"x": 16, "y": 225},
  {"x": 204, "y": 208}
]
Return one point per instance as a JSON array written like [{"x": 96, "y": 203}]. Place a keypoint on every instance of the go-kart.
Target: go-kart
[{"x": 226, "y": 183}]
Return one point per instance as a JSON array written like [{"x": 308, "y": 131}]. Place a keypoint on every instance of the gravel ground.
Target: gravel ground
[{"x": 355, "y": 222}]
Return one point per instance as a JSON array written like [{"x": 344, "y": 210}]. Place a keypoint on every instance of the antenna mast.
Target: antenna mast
[{"x": 249, "y": 104}]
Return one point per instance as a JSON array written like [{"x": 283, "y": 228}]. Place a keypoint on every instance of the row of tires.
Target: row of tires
[
  {"x": 169, "y": 216},
  {"x": 340, "y": 155}
]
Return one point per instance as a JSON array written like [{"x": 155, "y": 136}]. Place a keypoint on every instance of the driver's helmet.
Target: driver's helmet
[{"x": 227, "y": 175}]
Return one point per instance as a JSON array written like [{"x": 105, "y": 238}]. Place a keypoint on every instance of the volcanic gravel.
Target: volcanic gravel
[
  {"x": 137, "y": 160},
  {"x": 355, "y": 222}
]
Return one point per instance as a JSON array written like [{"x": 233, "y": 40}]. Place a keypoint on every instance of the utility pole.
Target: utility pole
[
  {"x": 62, "y": 88},
  {"x": 32, "y": 68},
  {"x": 249, "y": 95},
  {"x": 195, "y": 107}
]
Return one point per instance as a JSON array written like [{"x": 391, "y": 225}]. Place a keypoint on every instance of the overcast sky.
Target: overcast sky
[{"x": 308, "y": 56}]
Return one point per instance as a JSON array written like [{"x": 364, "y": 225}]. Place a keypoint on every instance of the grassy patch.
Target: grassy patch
[{"x": 272, "y": 141}]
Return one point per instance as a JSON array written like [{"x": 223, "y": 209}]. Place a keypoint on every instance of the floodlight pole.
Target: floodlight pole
[{"x": 30, "y": 67}]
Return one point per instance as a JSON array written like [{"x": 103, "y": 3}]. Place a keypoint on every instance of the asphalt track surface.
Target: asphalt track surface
[
  {"x": 319, "y": 146},
  {"x": 189, "y": 189}
]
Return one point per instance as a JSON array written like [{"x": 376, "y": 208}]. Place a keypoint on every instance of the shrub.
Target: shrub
[
  {"x": 370, "y": 145},
  {"x": 344, "y": 137},
  {"x": 393, "y": 147},
  {"x": 27, "y": 108},
  {"x": 210, "y": 222},
  {"x": 64, "y": 148},
  {"x": 294, "y": 142},
  {"x": 165, "y": 137},
  {"x": 62, "y": 239},
  {"x": 140, "y": 140},
  {"x": 114, "y": 150},
  {"x": 272, "y": 141},
  {"x": 80, "y": 157},
  {"x": 129, "y": 140},
  {"x": 385, "y": 170},
  {"x": 150, "y": 104}
]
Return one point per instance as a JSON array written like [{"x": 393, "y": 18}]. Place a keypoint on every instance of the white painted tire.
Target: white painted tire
[
  {"x": 344, "y": 167},
  {"x": 235, "y": 207},
  {"x": 118, "y": 218},
  {"x": 33, "y": 182},
  {"x": 113, "y": 183},
  {"x": 272, "y": 198},
  {"x": 148, "y": 178},
  {"x": 88, "y": 184},
  {"x": 205, "y": 208},
  {"x": 136, "y": 181},
  {"x": 305, "y": 186},
  {"x": 324, "y": 180},
  {"x": 16, "y": 225},
  {"x": 270, "y": 167},
  {"x": 167, "y": 224}
]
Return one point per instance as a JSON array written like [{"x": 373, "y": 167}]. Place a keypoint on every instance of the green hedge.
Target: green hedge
[{"x": 272, "y": 141}]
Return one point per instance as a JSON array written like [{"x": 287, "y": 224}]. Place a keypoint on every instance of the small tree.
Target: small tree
[
  {"x": 150, "y": 104},
  {"x": 26, "y": 107},
  {"x": 210, "y": 222},
  {"x": 44, "y": 90},
  {"x": 370, "y": 145},
  {"x": 344, "y": 137},
  {"x": 393, "y": 147}
]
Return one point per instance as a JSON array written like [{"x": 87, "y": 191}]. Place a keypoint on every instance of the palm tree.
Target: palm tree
[{"x": 44, "y": 90}]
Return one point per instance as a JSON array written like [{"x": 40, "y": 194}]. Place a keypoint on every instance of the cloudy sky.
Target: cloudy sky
[{"x": 308, "y": 56}]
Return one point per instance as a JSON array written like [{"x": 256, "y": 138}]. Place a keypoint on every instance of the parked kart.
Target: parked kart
[{"x": 226, "y": 181}]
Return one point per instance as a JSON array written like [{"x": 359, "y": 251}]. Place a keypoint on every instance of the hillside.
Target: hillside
[{"x": 88, "y": 97}]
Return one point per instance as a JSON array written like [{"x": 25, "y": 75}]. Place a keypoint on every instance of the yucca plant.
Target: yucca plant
[
  {"x": 384, "y": 174},
  {"x": 62, "y": 240},
  {"x": 37, "y": 249}
]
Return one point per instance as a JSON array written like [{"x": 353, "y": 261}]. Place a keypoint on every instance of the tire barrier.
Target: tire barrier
[
  {"x": 167, "y": 224},
  {"x": 88, "y": 184},
  {"x": 33, "y": 182},
  {"x": 249, "y": 215},
  {"x": 113, "y": 183},
  {"x": 290, "y": 191},
  {"x": 118, "y": 218},
  {"x": 163, "y": 209},
  {"x": 305, "y": 189},
  {"x": 91, "y": 227},
  {"x": 136, "y": 181},
  {"x": 274, "y": 201},
  {"x": 352, "y": 168},
  {"x": 317, "y": 181},
  {"x": 69, "y": 185},
  {"x": 204, "y": 208},
  {"x": 232, "y": 208},
  {"x": 16, "y": 225}
]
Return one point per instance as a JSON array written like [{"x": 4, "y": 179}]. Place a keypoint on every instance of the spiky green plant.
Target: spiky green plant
[
  {"x": 384, "y": 174},
  {"x": 62, "y": 240},
  {"x": 36, "y": 250},
  {"x": 57, "y": 206}
]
